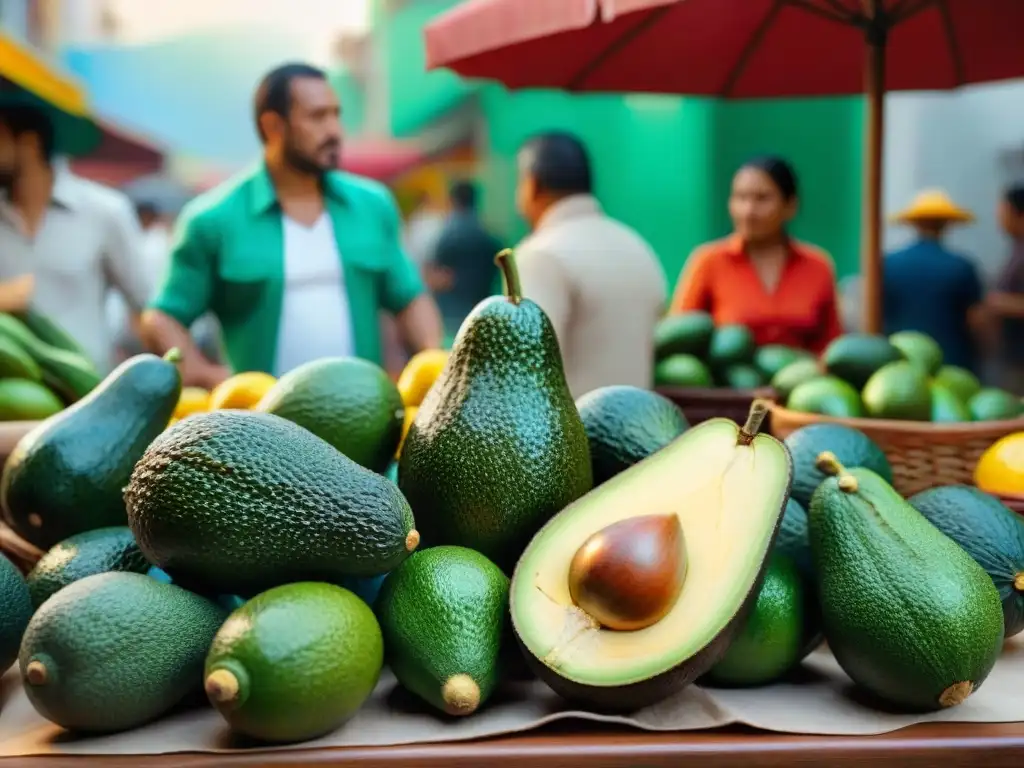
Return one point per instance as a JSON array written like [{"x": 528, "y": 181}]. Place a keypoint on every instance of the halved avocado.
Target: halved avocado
[{"x": 727, "y": 486}]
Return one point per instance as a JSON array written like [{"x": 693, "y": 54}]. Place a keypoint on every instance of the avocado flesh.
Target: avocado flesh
[{"x": 729, "y": 499}]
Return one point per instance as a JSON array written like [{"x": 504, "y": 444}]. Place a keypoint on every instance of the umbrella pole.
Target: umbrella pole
[{"x": 871, "y": 256}]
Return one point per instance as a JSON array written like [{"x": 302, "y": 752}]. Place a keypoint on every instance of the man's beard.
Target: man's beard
[{"x": 306, "y": 164}]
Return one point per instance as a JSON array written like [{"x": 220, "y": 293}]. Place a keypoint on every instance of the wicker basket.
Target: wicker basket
[
  {"x": 1016, "y": 503},
  {"x": 18, "y": 551},
  {"x": 922, "y": 455},
  {"x": 701, "y": 404}
]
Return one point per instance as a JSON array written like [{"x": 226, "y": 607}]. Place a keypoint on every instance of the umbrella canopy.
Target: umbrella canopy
[
  {"x": 27, "y": 79},
  {"x": 742, "y": 49}
]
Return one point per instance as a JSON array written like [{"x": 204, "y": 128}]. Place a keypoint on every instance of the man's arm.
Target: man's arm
[
  {"x": 404, "y": 294},
  {"x": 545, "y": 283},
  {"x": 182, "y": 299},
  {"x": 16, "y": 293}
]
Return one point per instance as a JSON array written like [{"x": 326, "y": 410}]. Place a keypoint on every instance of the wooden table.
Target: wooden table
[{"x": 945, "y": 745}]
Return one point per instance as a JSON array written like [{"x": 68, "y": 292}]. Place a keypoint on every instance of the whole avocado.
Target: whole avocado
[
  {"x": 625, "y": 425},
  {"x": 116, "y": 650},
  {"x": 68, "y": 474},
  {"x": 235, "y": 502},
  {"x": 497, "y": 447},
  {"x": 15, "y": 612},
  {"x": 98, "y": 551}
]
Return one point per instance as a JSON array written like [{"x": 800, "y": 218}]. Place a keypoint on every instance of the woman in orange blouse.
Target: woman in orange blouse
[{"x": 760, "y": 277}]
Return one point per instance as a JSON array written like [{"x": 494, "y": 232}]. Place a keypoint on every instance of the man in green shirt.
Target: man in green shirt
[{"x": 295, "y": 258}]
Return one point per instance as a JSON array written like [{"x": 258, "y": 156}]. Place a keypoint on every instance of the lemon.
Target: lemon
[{"x": 243, "y": 390}]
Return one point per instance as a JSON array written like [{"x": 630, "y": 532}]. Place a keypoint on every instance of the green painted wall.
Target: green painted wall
[{"x": 664, "y": 164}]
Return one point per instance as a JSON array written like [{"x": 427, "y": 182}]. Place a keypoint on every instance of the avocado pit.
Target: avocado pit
[{"x": 628, "y": 575}]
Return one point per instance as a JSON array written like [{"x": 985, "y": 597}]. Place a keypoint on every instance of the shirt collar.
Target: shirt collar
[
  {"x": 735, "y": 247},
  {"x": 263, "y": 196},
  {"x": 66, "y": 189},
  {"x": 570, "y": 207}
]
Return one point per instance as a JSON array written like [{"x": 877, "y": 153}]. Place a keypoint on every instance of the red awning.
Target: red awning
[
  {"x": 381, "y": 159},
  {"x": 120, "y": 157}
]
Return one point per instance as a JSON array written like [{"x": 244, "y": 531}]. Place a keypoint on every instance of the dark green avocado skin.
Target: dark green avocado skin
[
  {"x": 497, "y": 447},
  {"x": 68, "y": 475},
  {"x": 794, "y": 543},
  {"x": 625, "y": 425},
  {"x": 989, "y": 532},
  {"x": 851, "y": 447}
]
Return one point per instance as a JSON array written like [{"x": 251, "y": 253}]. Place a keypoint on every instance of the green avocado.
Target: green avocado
[
  {"x": 730, "y": 345},
  {"x": 235, "y": 502},
  {"x": 850, "y": 446},
  {"x": 908, "y": 614},
  {"x": 743, "y": 376},
  {"x": 294, "y": 662},
  {"x": 989, "y": 532},
  {"x": 898, "y": 391},
  {"x": 920, "y": 349},
  {"x": 682, "y": 371},
  {"x": 48, "y": 330},
  {"x": 68, "y": 474},
  {"x": 772, "y": 358},
  {"x": 26, "y": 400},
  {"x": 827, "y": 396},
  {"x": 352, "y": 404},
  {"x": 960, "y": 381},
  {"x": 854, "y": 357},
  {"x": 688, "y": 333},
  {"x": 772, "y": 637},
  {"x": 444, "y": 615},
  {"x": 991, "y": 404},
  {"x": 67, "y": 373},
  {"x": 16, "y": 363},
  {"x": 114, "y": 651},
  {"x": 793, "y": 375},
  {"x": 794, "y": 544},
  {"x": 625, "y": 425},
  {"x": 947, "y": 408},
  {"x": 497, "y": 447},
  {"x": 85, "y": 554},
  {"x": 16, "y": 611}
]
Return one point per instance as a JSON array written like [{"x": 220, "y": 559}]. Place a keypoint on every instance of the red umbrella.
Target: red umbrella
[{"x": 742, "y": 49}]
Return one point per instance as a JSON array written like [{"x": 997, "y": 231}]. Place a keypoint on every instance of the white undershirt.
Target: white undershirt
[{"x": 315, "y": 319}]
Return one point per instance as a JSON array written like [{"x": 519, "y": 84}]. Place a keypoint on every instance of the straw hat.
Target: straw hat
[{"x": 933, "y": 205}]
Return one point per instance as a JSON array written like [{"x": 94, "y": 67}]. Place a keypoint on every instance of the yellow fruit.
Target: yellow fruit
[
  {"x": 419, "y": 375},
  {"x": 243, "y": 390},
  {"x": 1000, "y": 469},
  {"x": 410, "y": 414},
  {"x": 192, "y": 400}
]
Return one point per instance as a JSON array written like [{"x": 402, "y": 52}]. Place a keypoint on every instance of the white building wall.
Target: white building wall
[{"x": 971, "y": 143}]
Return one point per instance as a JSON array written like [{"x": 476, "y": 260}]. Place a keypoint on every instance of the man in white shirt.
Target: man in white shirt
[
  {"x": 597, "y": 279},
  {"x": 77, "y": 238}
]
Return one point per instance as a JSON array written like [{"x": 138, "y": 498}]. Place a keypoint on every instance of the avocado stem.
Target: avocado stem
[
  {"x": 957, "y": 693},
  {"x": 758, "y": 410},
  {"x": 828, "y": 464},
  {"x": 506, "y": 261},
  {"x": 461, "y": 695},
  {"x": 36, "y": 673},
  {"x": 173, "y": 355},
  {"x": 222, "y": 686},
  {"x": 412, "y": 540},
  {"x": 1018, "y": 581}
]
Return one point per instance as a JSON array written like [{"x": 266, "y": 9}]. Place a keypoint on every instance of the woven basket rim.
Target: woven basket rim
[
  {"x": 967, "y": 429},
  {"x": 717, "y": 393}
]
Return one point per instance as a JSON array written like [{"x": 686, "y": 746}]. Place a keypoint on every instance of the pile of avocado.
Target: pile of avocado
[
  {"x": 690, "y": 351},
  {"x": 901, "y": 377},
  {"x": 273, "y": 562},
  {"x": 42, "y": 368}
]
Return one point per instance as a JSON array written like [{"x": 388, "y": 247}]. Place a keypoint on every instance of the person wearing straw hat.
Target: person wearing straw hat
[
  {"x": 1006, "y": 300},
  {"x": 930, "y": 288}
]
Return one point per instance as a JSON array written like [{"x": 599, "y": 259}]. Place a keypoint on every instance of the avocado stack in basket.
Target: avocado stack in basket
[{"x": 270, "y": 562}]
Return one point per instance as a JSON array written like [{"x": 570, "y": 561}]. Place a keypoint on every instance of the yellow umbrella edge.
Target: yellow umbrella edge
[{"x": 26, "y": 69}]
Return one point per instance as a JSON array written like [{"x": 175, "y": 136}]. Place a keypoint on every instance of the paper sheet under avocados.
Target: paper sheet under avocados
[{"x": 819, "y": 700}]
